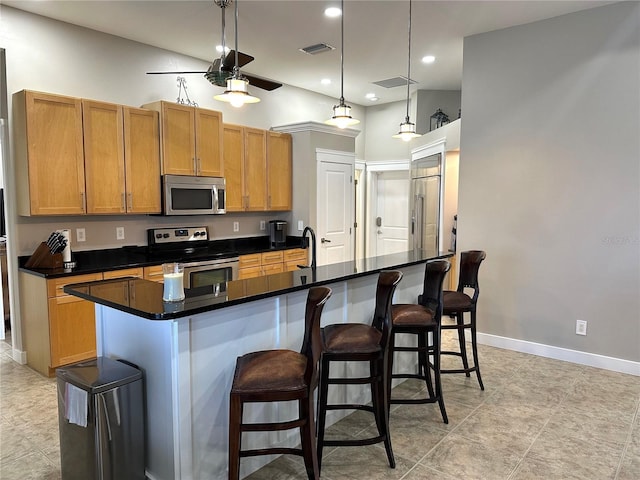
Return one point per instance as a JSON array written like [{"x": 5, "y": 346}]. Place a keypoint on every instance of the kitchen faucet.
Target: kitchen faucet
[{"x": 313, "y": 246}]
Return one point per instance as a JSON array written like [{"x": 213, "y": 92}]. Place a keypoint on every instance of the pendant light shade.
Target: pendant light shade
[
  {"x": 342, "y": 112},
  {"x": 407, "y": 129},
  {"x": 237, "y": 92}
]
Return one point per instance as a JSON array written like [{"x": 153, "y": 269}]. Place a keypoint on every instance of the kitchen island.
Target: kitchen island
[{"x": 187, "y": 350}]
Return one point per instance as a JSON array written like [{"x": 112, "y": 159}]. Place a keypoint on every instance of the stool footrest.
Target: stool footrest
[
  {"x": 457, "y": 354},
  {"x": 271, "y": 451},
  {"x": 267, "y": 427},
  {"x": 416, "y": 376},
  {"x": 460, "y": 370},
  {"x": 413, "y": 401},
  {"x": 354, "y": 442},
  {"x": 353, "y": 381},
  {"x": 350, "y": 406},
  {"x": 413, "y": 349}
]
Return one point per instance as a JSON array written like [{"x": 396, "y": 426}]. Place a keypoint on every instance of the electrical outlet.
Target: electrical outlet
[
  {"x": 300, "y": 225},
  {"x": 581, "y": 327},
  {"x": 119, "y": 233},
  {"x": 262, "y": 225},
  {"x": 236, "y": 226},
  {"x": 80, "y": 235}
]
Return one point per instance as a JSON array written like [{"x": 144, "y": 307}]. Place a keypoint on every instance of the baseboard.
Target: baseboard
[
  {"x": 19, "y": 356},
  {"x": 558, "y": 353}
]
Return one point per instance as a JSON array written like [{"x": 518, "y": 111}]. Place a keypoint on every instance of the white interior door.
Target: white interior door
[
  {"x": 391, "y": 218},
  {"x": 335, "y": 211}
]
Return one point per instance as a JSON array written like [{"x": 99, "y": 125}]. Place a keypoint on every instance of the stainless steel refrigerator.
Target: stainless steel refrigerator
[
  {"x": 426, "y": 174},
  {"x": 101, "y": 420}
]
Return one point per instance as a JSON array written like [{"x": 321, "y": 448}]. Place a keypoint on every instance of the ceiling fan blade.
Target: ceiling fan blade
[
  {"x": 262, "y": 83},
  {"x": 171, "y": 73},
  {"x": 230, "y": 60}
]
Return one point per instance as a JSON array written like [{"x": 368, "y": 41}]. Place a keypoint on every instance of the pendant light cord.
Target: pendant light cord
[
  {"x": 409, "y": 64},
  {"x": 342, "y": 54},
  {"x": 236, "y": 68}
]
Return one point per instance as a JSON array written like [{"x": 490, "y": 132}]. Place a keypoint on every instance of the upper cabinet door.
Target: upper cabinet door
[
  {"x": 103, "y": 157},
  {"x": 279, "y": 171},
  {"x": 209, "y": 160},
  {"x": 233, "y": 154},
  {"x": 178, "y": 139},
  {"x": 142, "y": 160},
  {"x": 255, "y": 163},
  {"x": 49, "y": 154}
]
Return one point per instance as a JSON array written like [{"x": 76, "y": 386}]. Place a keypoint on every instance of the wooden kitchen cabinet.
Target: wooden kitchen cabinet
[
  {"x": 103, "y": 157},
  {"x": 137, "y": 272},
  {"x": 191, "y": 139},
  {"x": 294, "y": 257},
  {"x": 279, "y": 171},
  {"x": 122, "y": 159},
  {"x": 153, "y": 273},
  {"x": 49, "y": 154},
  {"x": 142, "y": 160},
  {"x": 245, "y": 161}
]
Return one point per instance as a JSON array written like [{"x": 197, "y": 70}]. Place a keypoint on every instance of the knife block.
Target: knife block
[{"x": 43, "y": 258}]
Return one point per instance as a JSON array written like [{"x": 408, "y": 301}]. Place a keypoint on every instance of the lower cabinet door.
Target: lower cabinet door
[{"x": 72, "y": 330}]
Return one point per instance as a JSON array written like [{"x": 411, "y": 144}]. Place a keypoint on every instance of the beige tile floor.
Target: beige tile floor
[{"x": 537, "y": 419}]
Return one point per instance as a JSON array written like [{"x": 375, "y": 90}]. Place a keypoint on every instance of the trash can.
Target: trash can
[{"x": 101, "y": 420}]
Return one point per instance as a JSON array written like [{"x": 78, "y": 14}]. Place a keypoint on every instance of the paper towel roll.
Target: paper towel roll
[{"x": 66, "y": 253}]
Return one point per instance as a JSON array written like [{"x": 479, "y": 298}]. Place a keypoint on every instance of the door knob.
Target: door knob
[
  {"x": 379, "y": 231},
  {"x": 324, "y": 240}
]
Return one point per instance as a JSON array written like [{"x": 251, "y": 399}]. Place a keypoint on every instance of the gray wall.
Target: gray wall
[
  {"x": 550, "y": 184},
  {"x": 429, "y": 101}
]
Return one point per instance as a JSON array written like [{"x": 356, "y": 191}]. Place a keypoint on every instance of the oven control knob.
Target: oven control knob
[
  {"x": 158, "y": 235},
  {"x": 196, "y": 234},
  {"x": 165, "y": 235}
]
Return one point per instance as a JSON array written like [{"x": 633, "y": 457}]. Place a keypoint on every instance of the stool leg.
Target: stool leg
[
  {"x": 380, "y": 408},
  {"x": 423, "y": 360},
  {"x": 389, "y": 375},
  {"x": 308, "y": 438},
  {"x": 474, "y": 347},
  {"x": 436, "y": 373},
  {"x": 462, "y": 342},
  {"x": 322, "y": 406},
  {"x": 235, "y": 420}
]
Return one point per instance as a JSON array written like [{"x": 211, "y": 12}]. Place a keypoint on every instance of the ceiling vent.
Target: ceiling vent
[
  {"x": 394, "y": 82},
  {"x": 317, "y": 48}
]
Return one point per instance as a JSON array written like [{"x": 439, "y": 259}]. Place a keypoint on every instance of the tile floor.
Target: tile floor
[{"x": 537, "y": 419}]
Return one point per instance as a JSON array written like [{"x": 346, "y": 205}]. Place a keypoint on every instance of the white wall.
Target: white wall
[{"x": 550, "y": 182}]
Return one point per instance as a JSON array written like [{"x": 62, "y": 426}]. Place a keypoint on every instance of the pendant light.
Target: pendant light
[
  {"x": 237, "y": 92},
  {"x": 408, "y": 129},
  {"x": 342, "y": 112}
]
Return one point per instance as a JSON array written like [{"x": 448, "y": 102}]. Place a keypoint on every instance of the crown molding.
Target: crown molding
[{"x": 316, "y": 127}]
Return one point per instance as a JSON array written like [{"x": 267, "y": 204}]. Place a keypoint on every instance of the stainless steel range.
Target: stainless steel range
[{"x": 203, "y": 266}]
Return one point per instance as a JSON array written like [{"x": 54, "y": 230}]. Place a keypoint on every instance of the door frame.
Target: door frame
[{"x": 372, "y": 172}]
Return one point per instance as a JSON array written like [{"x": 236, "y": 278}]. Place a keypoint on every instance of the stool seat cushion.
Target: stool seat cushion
[
  {"x": 412, "y": 315},
  {"x": 270, "y": 371},
  {"x": 455, "y": 301},
  {"x": 351, "y": 338}
]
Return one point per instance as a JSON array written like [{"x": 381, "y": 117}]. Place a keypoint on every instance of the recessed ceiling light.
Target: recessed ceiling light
[
  {"x": 219, "y": 49},
  {"x": 428, "y": 59},
  {"x": 372, "y": 97},
  {"x": 325, "y": 81},
  {"x": 333, "y": 12}
]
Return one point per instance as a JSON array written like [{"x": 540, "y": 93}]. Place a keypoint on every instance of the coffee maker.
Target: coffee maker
[{"x": 277, "y": 233}]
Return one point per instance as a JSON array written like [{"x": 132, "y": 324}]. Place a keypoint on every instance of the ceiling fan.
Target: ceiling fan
[{"x": 222, "y": 68}]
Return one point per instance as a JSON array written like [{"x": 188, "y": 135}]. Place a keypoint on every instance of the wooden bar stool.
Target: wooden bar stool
[
  {"x": 278, "y": 376},
  {"x": 422, "y": 319},
  {"x": 359, "y": 342},
  {"x": 457, "y": 303}
]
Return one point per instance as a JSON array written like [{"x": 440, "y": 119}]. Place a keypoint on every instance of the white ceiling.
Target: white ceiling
[{"x": 273, "y": 31}]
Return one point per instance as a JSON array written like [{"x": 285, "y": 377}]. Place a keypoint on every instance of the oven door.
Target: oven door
[{"x": 198, "y": 274}]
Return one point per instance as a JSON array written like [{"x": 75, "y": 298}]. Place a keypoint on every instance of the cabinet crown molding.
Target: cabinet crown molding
[{"x": 316, "y": 127}]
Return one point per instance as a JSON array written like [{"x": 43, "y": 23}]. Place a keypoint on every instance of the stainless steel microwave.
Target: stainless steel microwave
[{"x": 190, "y": 195}]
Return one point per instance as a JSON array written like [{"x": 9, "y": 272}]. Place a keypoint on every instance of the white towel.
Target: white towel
[{"x": 77, "y": 408}]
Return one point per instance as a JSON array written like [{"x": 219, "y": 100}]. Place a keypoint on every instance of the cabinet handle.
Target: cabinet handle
[
  {"x": 195, "y": 165},
  {"x": 82, "y": 202},
  {"x": 124, "y": 204},
  {"x": 130, "y": 201},
  {"x": 198, "y": 167},
  {"x": 247, "y": 206},
  {"x": 269, "y": 202}
]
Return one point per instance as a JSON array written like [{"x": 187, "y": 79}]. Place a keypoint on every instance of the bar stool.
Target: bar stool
[
  {"x": 457, "y": 303},
  {"x": 422, "y": 319},
  {"x": 277, "y": 376},
  {"x": 359, "y": 342}
]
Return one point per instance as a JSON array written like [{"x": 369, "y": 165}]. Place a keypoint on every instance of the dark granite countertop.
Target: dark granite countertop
[
  {"x": 95, "y": 261},
  {"x": 144, "y": 298}
]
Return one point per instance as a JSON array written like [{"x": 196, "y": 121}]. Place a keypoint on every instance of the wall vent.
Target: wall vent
[
  {"x": 317, "y": 48},
  {"x": 394, "y": 82}
]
